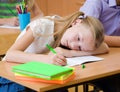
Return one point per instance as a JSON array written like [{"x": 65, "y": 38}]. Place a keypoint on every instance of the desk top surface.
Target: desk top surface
[
  {"x": 8, "y": 31},
  {"x": 7, "y": 38},
  {"x": 109, "y": 66}
]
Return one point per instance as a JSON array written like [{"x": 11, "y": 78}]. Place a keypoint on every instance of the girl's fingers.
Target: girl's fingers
[
  {"x": 62, "y": 58},
  {"x": 59, "y": 60}
]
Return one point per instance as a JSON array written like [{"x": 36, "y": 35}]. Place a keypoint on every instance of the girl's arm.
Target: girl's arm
[
  {"x": 73, "y": 53},
  {"x": 16, "y": 52}
]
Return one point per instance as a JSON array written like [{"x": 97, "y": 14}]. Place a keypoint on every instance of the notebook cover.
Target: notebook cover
[
  {"x": 41, "y": 70},
  {"x": 31, "y": 79},
  {"x": 63, "y": 77}
]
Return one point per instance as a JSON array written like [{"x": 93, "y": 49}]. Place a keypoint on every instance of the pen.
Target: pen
[
  {"x": 83, "y": 66},
  {"x": 51, "y": 49}
]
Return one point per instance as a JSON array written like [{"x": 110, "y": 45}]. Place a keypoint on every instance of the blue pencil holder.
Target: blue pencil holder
[{"x": 24, "y": 20}]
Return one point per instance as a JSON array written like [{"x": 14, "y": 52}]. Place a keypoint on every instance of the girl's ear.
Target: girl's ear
[{"x": 77, "y": 21}]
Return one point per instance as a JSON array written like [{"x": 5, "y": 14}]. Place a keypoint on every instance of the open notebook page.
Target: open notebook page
[
  {"x": 8, "y": 26},
  {"x": 80, "y": 60}
]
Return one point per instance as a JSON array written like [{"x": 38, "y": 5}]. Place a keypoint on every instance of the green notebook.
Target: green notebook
[{"x": 41, "y": 70}]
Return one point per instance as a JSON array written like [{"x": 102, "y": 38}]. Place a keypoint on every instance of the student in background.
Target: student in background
[
  {"x": 108, "y": 12},
  {"x": 8, "y": 12}
]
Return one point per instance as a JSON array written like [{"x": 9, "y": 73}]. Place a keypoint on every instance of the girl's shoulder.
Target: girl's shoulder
[
  {"x": 42, "y": 26},
  {"x": 44, "y": 21}
]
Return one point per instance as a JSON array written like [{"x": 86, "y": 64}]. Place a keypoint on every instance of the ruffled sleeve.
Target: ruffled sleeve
[{"x": 41, "y": 27}]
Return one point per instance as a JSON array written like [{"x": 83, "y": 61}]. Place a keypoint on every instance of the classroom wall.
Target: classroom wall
[{"x": 59, "y": 7}]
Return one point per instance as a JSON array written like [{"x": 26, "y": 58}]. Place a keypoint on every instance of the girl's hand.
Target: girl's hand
[
  {"x": 59, "y": 60},
  {"x": 12, "y": 21}
]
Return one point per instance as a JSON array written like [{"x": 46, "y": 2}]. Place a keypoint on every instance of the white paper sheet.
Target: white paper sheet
[
  {"x": 83, "y": 59},
  {"x": 7, "y": 26}
]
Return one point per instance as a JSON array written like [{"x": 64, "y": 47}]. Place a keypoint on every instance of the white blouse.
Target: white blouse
[{"x": 40, "y": 27}]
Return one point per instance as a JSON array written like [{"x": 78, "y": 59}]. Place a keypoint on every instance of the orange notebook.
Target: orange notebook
[
  {"x": 63, "y": 77},
  {"x": 33, "y": 79}
]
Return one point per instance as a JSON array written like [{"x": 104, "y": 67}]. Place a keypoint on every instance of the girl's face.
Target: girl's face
[{"x": 78, "y": 37}]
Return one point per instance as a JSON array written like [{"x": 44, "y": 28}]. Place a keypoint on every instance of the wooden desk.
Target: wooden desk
[
  {"x": 109, "y": 66},
  {"x": 7, "y": 38}
]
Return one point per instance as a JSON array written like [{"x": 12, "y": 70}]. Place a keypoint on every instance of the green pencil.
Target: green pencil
[{"x": 51, "y": 49}]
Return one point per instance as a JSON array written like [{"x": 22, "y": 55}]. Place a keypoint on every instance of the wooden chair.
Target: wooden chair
[
  {"x": 86, "y": 88},
  {"x": 95, "y": 88},
  {"x": 1, "y": 56}
]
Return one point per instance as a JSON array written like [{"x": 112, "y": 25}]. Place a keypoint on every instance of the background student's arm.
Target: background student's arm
[
  {"x": 94, "y": 7},
  {"x": 112, "y": 40},
  {"x": 73, "y": 53},
  {"x": 9, "y": 21},
  {"x": 36, "y": 11}
]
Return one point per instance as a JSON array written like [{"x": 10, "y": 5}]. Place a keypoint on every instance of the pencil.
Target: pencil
[{"x": 51, "y": 49}]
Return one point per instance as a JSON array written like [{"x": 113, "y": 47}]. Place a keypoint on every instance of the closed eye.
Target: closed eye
[
  {"x": 79, "y": 48},
  {"x": 78, "y": 39}
]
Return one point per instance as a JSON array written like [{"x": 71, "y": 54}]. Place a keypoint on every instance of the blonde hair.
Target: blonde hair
[
  {"x": 96, "y": 28},
  {"x": 64, "y": 23}
]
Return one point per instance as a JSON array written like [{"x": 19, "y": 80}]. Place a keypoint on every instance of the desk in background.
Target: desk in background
[
  {"x": 7, "y": 38},
  {"x": 96, "y": 70}
]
